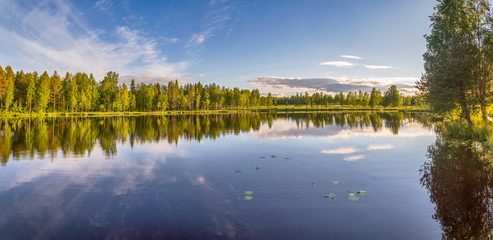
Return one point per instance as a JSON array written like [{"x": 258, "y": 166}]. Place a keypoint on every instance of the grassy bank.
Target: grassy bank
[{"x": 283, "y": 108}]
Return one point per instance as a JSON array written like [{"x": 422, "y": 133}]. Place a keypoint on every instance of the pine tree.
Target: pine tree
[
  {"x": 42, "y": 92},
  {"x": 55, "y": 86}
]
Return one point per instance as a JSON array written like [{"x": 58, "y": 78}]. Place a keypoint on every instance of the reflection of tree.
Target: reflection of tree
[
  {"x": 393, "y": 121},
  {"x": 23, "y": 138},
  {"x": 458, "y": 178}
]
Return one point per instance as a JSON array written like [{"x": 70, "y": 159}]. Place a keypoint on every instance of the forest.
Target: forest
[{"x": 22, "y": 92}]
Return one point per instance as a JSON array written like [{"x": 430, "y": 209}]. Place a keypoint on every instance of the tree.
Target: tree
[
  {"x": 109, "y": 89},
  {"x": 31, "y": 80},
  {"x": 375, "y": 97},
  {"x": 55, "y": 86},
  {"x": 9, "y": 92},
  {"x": 162, "y": 103},
  {"x": 20, "y": 85},
  {"x": 43, "y": 92},
  {"x": 452, "y": 57},
  {"x": 3, "y": 84},
  {"x": 124, "y": 98},
  {"x": 392, "y": 97}
]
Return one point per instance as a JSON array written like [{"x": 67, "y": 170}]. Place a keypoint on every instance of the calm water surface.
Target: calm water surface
[{"x": 186, "y": 177}]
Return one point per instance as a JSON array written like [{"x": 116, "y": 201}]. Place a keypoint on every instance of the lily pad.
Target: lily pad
[
  {"x": 330, "y": 195},
  {"x": 257, "y": 168},
  {"x": 262, "y": 157},
  {"x": 350, "y": 194},
  {"x": 336, "y": 182},
  {"x": 248, "y": 192},
  {"x": 248, "y": 197},
  {"x": 354, "y": 198},
  {"x": 238, "y": 171},
  {"x": 361, "y": 192},
  {"x": 287, "y": 158},
  {"x": 273, "y": 156},
  {"x": 313, "y": 183}
]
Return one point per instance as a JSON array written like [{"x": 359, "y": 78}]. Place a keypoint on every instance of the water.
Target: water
[{"x": 185, "y": 177}]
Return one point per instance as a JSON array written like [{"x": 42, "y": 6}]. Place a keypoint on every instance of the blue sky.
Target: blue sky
[{"x": 277, "y": 46}]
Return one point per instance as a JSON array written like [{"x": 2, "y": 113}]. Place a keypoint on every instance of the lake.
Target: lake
[{"x": 356, "y": 175}]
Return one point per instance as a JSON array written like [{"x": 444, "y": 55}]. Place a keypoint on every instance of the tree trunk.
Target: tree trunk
[
  {"x": 465, "y": 113},
  {"x": 54, "y": 103}
]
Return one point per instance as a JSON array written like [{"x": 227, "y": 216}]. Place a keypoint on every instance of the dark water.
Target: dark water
[{"x": 185, "y": 177}]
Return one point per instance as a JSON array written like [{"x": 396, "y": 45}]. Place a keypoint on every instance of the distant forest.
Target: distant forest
[{"x": 30, "y": 92}]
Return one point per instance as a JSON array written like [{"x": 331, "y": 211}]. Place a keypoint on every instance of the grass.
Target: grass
[{"x": 280, "y": 108}]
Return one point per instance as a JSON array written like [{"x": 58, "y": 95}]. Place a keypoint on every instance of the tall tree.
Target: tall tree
[
  {"x": 452, "y": 54},
  {"x": 43, "y": 91},
  {"x": 392, "y": 97},
  {"x": 31, "y": 80},
  {"x": 9, "y": 92},
  {"x": 375, "y": 97},
  {"x": 55, "y": 86},
  {"x": 108, "y": 89},
  {"x": 3, "y": 84}
]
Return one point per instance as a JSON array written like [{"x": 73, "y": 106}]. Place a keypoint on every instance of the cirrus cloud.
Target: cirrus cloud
[
  {"x": 351, "y": 57},
  {"x": 52, "y": 35},
  {"x": 339, "y": 64}
]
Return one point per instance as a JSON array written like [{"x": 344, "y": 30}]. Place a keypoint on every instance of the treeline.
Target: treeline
[
  {"x": 25, "y": 138},
  {"x": 391, "y": 98},
  {"x": 28, "y": 92}
]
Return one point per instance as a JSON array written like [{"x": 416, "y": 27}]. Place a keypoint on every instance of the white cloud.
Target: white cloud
[
  {"x": 103, "y": 5},
  {"x": 374, "y": 147},
  {"x": 378, "y": 67},
  {"x": 339, "y": 64},
  {"x": 341, "y": 150},
  {"x": 215, "y": 20},
  {"x": 354, "y": 158},
  {"x": 351, "y": 57},
  {"x": 171, "y": 40},
  {"x": 50, "y": 36},
  {"x": 333, "y": 84}
]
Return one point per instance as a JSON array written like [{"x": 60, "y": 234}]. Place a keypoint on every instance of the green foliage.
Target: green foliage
[
  {"x": 109, "y": 89},
  {"x": 458, "y": 62},
  {"x": 42, "y": 92},
  {"x": 9, "y": 92},
  {"x": 392, "y": 97},
  {"x": 82, "y": 93},
  {"x": 375, "y": 97}
]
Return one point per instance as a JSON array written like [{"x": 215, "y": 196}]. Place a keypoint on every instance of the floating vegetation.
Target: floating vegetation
[
  {"x": 361, "y": 192},
  {"x": 336, "y": 182},
  {"x": 313, "y": 183},
  {"x": 257, "y": 168},
  {"x": 273, "y": 156},
  {"x": 287, "y": 158},
  {"x": 330, "y": 195},
  {"x": 238, "y": 171},
  {"x": 352, "y": 196},
  {"x": 262, "y": 157},
  {"x": 248, "y": 195}
]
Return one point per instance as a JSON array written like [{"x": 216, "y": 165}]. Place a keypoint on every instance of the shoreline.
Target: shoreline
[{"x": 279, "y": 109}]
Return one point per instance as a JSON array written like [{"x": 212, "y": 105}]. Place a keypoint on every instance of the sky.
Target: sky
[{"x": 281, "y": 47}]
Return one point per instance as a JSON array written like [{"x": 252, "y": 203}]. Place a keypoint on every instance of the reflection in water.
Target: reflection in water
[
  {"x": 459, "y": 180},
  {"x": 161, "y": 183},
  {"x": 23, "y": 138}
]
